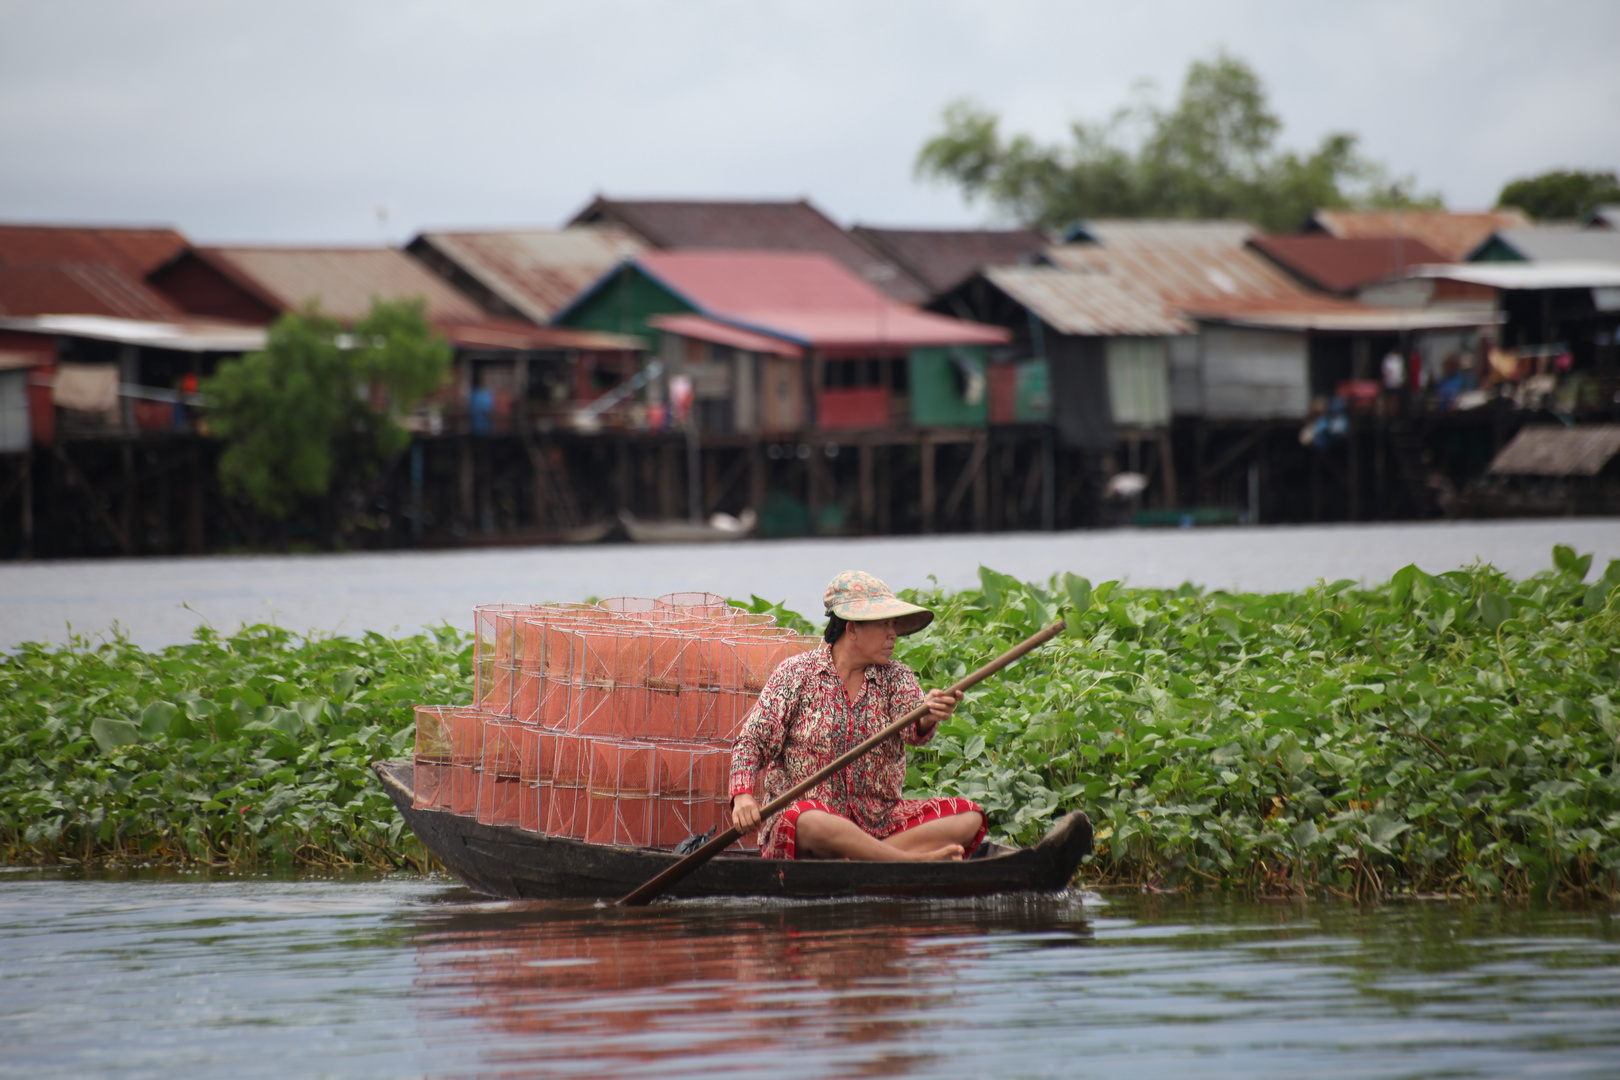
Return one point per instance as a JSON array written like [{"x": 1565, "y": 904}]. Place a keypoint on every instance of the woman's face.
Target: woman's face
[{"x": 873, "y": 642}]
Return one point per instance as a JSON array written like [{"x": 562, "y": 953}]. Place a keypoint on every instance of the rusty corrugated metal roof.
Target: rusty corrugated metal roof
[
  {"x": 1558, "y": 451},
  {"x": 534, "y": 272},
  {"x": 1137, "y": 277},
  {"x": 79, "y": 289},
  {"x": 1087, "y": 303},
  {"x": 1184, "y": 234},
  {"x": 1332, "y": 315},
  {"x": 343, "y": 280},
  {"x": 1342, "y": 266},
  {"x": 136, "y": 252},
  {"x": 779, "y": 225},
  {"x": 941, "y": 259},
  {"x": 503, "y": 334},
  {"x": 1452, "y": 235}
]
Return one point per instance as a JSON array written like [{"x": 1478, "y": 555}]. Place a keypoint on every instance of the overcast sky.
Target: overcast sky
[{"x": 295, "y": 121}]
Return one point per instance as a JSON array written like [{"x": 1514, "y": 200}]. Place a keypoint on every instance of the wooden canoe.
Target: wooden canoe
[{"x": 519, "y": 865}]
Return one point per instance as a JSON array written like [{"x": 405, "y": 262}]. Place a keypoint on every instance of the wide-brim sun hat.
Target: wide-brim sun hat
[{"x": 855, "y": 596}]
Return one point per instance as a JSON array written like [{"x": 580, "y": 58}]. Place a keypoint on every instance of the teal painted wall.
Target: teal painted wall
[
  {"x": 1033, "y": 401},
  {"x": 624, "y": 305},
  {"x": 1494, "y": 250},
  {"x": 936, "y": 396}
]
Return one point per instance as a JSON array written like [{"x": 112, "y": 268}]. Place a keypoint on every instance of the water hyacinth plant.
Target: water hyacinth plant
[
  {"x": 229, "y": 751},
  {"x": 1450, "y": 733}
]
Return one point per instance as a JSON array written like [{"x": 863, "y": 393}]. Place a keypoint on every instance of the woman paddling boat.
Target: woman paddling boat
[
  {"x": 821, "y": 703},
  {"x": 485, "y": 842}
]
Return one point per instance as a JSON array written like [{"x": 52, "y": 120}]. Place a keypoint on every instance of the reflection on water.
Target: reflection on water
[
  {"x": 182, "y": 976},
  {"x": 847, "y": 988}
]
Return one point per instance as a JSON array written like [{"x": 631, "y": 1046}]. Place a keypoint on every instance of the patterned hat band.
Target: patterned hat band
[{"x": 855, "y": 596}]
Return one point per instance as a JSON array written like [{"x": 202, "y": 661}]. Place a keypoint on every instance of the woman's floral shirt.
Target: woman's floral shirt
[{"x": 804, "y": 719}]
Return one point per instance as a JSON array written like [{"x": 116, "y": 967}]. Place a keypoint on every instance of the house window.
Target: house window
[{"x": 840, "y": 374}]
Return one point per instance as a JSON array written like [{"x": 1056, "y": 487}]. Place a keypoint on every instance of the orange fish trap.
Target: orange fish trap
[{"x": 610, "y": 723}]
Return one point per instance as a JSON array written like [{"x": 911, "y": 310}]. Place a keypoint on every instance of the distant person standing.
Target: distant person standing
[{"x": 1394, "y": 373}]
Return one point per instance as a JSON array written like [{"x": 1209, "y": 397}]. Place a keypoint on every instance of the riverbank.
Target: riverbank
[{"x": 1439, "y": 733}]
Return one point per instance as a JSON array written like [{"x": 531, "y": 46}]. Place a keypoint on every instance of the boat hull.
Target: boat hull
[{"x": 519, "y": 865}]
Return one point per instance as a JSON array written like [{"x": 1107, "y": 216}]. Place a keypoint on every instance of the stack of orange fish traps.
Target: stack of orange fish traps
[{"x": 610, "y": 723}]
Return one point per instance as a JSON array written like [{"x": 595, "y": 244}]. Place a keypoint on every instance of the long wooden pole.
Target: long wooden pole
[{"x": 646, "y": 893}]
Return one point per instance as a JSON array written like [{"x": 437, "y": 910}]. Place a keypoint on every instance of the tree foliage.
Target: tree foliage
[
  {"x": 1562, "y": 193},
  {"x": 1211, "y": 155},
  {"x": 318, "y": 403}
]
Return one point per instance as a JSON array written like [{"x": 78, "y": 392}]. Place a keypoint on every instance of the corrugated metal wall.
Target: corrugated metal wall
[
  {"x": 1186, "y": 382},
  {"x": 14, "y": 422},
  {"x": 1255, "y": 374}
]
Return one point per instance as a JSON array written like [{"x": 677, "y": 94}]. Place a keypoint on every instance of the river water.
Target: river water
[
  {"x": 161, "y": 601},
  {"x": 180, "y": 976}
]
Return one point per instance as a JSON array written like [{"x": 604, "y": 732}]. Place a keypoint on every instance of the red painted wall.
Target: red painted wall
[
  {"x": 41, "y": 401},
  {"x": 200, "y": 289},
  {"x": 852, "y": 407}
]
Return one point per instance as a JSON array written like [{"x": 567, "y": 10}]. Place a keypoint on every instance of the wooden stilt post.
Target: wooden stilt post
[
  {"x": 194, "y": 502},
  {"x": 1048, "y": 479},
  {"x": 995, "y": 470},
  {"x": 1200, "y": 456},
  {"x": 925, "y": 448},
  {"x": 868, "y": 495},
  {"x": 1167, "y": 463},
  {"x": 464, "y": 483},
  {"x": 166, "y": 544},
  {"x": 76, "y": 478},
  {"x": 1381, "y": 466},
  {"x": 885, "y": 488},
  {"x": 28, "y": 505},
  {"x": 981, "y": 482},
  {"x": 539, "y": 468},
  {"x": 624, "y": 468},
  {"x": 758, "y": 476},
  {"x": 1316, "y": 485},
  {"x": 669, "y": 480},
  {"x": 126, "y": 509},
  {"x": 1353, "y": 471},
  {"x": 711, "y": 480}
]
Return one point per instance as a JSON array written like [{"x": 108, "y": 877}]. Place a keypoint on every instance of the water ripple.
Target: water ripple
[{"x": 175, "y": 977}]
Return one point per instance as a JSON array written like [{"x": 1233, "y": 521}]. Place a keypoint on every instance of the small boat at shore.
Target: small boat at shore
[
  {"x": 520, "y": 865},
  {"x": 719, "y": 527}
]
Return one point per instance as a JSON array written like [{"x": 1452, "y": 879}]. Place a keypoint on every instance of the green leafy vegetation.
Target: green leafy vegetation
[
  {"x": 1212, "y": 155},
  {"x": 320, "y": 403},
  {"x": 1562, "y": 193},
  {"x": 1448, "y": 733},
  {"x": 790, "y": 619},
  {"x": 230, "y": 751},
  {"x": 1440, "y": 733}
]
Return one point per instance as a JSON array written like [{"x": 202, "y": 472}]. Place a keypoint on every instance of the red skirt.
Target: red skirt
[{"x": 908, "y": 814}]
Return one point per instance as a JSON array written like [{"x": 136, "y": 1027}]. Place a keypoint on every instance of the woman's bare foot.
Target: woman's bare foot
[{"x": 940, "y": 854}]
